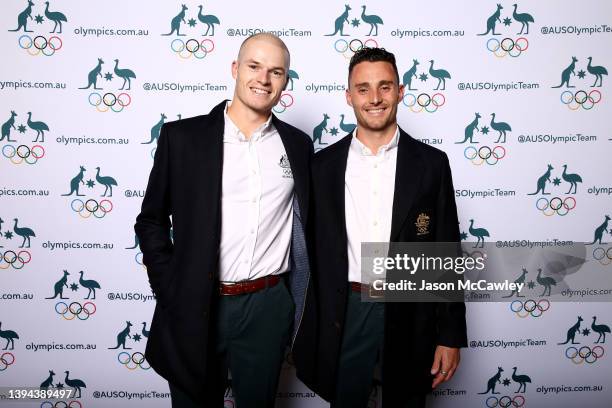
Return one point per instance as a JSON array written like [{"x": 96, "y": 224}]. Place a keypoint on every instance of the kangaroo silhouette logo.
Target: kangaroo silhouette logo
[
  {"x": 567, "y": 73},
  {"x": 339, "y": 22},
  {"x": 317, "y": 132},
  {"x": 493, "y": 20},
  {"x": 493, "y": 381},
  {"x": 519, "y": 281},
  {"x": 542, "y": 180},
  {"x": 22, "y": 18},
  {"x": 600, "y": 231},
  {"x": 571, "y": 333},
  {"x": 58, "y": 287},
  {"x": 122, "y": 337},
  {"x": 175, "y": 23}
]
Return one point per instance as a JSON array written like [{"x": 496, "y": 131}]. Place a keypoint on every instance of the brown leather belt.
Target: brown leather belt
[
  {"x": 241, "y": 288},
  {"x": 365, "y": 288}
]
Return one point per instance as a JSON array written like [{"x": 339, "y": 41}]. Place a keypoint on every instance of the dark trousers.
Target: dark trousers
[
  {"x": 361, "y": 348},
  {"x": 251, "y": 335}
]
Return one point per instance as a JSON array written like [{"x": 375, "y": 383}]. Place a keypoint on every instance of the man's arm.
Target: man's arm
[
  {"x": 153, "y": 223},
  {"x": 450, "y": 315}
]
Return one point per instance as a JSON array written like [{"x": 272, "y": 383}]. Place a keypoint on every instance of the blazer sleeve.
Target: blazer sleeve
[
  {"x": 153, "y": 223},
  {"x": 452, "y": 330}
]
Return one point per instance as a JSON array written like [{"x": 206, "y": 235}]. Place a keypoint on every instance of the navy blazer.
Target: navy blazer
[{"x": 423, "y": 184}]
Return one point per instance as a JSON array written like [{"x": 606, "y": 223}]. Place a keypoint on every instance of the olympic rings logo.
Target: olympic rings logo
[
  {"x": 584, "y": 353},
  {"x": 16, "y": 260},
  {"x": 555, "y": 205},
  {"x": 484, "y": 154},
  {"x": 75, "y": 309},
  {"x": 507, "y": 46},
  {"x": 581, "y": 98},
  {"x": 40, "y": 44},
  {"x": 6, "y": 359},
  {"x": 286, "y": 101},
  {"x": 603, "y": 256},
  {"x": 348, "y": 48},
  {"x": 109, "y": 100},
  {"x": 23, "y": 153},
  {"x": 423, "y": 101},
  {"x": 530, "y": 307},
  {"x": 505, "y": 401},
  {"x": 191, "y": 47},
  {"x": 91, "y": 206},
  {"x": 61, "y": 404},
  {"x": 133, "y": 361}
]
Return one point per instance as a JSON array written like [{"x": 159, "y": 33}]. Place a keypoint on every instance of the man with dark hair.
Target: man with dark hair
[
  {"x": 236, "y": 184},
  {"x": 375, "y": 185}
]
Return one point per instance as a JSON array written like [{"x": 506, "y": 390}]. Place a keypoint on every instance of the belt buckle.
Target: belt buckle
[{"x": 371, "y": 295}]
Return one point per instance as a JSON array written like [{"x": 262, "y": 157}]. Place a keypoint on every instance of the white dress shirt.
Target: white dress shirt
[
  {"x": 369, "y": 184},
  {"x": 256, "y": 204}
]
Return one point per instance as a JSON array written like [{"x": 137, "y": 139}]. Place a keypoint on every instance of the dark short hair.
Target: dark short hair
[{"x": 372, "y": 54}]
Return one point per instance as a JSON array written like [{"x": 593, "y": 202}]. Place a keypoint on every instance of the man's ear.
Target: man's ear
[
  {"x": 234, "y": 69},
  {"x": 347, "y": 94}
]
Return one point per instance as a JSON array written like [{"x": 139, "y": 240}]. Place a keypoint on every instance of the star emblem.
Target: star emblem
[
  {"x": 39, "y": 19},
  {"x": 355, "y": 22},
  {"x": 108, "y": 76},
  {"x": 507, "y": 21},
  {"x": 59, "y": 385},
  {"x": 74, "y": 287},
  {"x": 586, "y": 332},
  {"x": 423, "y": 77},
  {"x": 484, "y": 130},
  {"x": 192, "y": 22},
  {"x": 506, "y": 382},
  {"x": 464, "y": 235},
  {"x": 136, "y": 337},
  {"x": 531, "y": 284},
  {"x": 8, "y": 235},
  {"x": 333, "y": 131},
  {"x": 581, "y": 74},
  {"x": 90, "y": 183},
  {"x": 21, "y": 128},
  {"x": 556, "y": 181}
]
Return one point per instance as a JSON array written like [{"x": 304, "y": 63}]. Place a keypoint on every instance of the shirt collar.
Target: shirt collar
[
  {"x": 233, "y": 134},
  {"x": 358, "y": 147}
]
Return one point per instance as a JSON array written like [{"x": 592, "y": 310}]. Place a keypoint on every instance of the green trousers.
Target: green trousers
[
  {"x": 361, "y": 349},
  {"x": 251, "y": 334}
]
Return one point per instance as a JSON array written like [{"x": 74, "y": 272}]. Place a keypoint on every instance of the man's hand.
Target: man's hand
[{"x": 446, "y": 360}]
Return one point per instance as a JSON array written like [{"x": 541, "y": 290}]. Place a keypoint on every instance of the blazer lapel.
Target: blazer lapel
[
  {"x": 336, "y": 178},
  {"x": 299, "y": 167},
  {"x": 407, "y": 181}
]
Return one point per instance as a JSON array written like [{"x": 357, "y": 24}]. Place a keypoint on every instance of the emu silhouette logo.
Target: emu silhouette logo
[
  {"x": 556, "y": 204},
  {"x": 21, "y": 153},
  {"x": 105, "y": 101},
  {"x": 413, "y": 80},
  {"x": 91, "y": 206},
  {"x": 74, "y": 383},
  {"x": 585, "y": 98}
]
